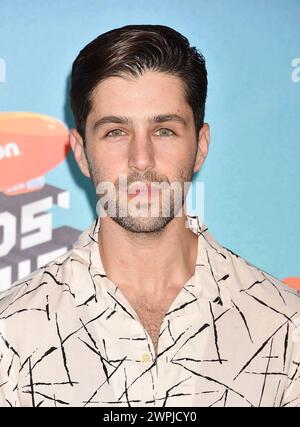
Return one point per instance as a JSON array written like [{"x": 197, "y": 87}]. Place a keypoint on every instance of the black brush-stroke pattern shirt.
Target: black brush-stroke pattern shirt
[{"x": 69, "y": 337}]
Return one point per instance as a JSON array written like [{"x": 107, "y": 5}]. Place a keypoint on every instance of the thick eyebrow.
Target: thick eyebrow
[{"x": 160, "y": 118}]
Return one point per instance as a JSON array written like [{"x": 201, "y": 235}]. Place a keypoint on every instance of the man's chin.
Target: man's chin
[{"x": 143, "y": 225}]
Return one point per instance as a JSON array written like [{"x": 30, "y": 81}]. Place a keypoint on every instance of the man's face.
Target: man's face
[{"x": 147, "y": 147}]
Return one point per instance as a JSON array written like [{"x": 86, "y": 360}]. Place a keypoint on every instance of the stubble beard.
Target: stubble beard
[{"x": 149, "y": 224}]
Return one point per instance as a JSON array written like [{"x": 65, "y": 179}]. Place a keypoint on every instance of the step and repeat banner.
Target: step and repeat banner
[
  {"x": 250, "y": 183},
  {"x": 31, "y": 145}
]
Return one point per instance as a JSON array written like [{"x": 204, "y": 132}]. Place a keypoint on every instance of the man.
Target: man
[{"x": 146, "y": 310}]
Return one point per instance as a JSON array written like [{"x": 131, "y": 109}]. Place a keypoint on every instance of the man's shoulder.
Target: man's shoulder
[
  {"x": 35, "y": 284},
  {"x": 41, "y": 281},
  {"x": 245, "y": 281},
  {"x": 261, "y": 286}
]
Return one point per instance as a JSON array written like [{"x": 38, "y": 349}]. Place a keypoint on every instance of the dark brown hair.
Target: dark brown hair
[{"x": 131, "y": 50}]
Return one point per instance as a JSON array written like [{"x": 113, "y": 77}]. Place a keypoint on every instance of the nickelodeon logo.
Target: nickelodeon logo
[
  {"x": 293, "y": 282},
  {"x": 30, "y": 146},
  {"x": 9, "y": 150}
]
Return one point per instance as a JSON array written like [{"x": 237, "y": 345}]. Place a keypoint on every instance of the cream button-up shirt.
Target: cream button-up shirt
[{"x": 69, "y": 337}]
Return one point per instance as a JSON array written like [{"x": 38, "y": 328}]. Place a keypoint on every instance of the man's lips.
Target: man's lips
[{"x": 145, "y": 190}]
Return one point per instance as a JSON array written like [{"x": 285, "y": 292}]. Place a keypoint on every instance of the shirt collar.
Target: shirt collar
[{"x": 208, "y": 282}]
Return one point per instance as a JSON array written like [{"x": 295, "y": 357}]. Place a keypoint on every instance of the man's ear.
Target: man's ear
[
  {"x": 203, "y": 144},
  {"x": 77, "y": 145}
]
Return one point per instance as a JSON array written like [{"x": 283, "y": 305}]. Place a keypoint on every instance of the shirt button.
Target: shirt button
[{"x": 146, "y": 358}]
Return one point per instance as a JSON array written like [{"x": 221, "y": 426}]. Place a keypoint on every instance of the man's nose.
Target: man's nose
[{"x": 141, "y": 153}]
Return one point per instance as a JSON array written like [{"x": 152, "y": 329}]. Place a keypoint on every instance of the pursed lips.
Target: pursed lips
[{"x": 143, "y": 190}]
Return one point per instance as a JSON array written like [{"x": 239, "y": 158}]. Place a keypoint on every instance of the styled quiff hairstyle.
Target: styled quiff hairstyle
[{"x": 130, "y": 51}]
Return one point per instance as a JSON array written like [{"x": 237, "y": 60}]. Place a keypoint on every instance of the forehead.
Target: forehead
[{"x": 153, "y": 92}]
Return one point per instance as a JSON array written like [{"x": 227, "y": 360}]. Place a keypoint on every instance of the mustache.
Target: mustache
[{"x": 147, "y": 178}]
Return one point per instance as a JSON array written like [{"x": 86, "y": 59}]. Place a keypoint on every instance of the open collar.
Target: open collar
[{"x": 210, "y": 281}]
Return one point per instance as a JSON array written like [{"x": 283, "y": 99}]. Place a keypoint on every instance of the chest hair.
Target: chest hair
[{"x": 151, "y": 316}]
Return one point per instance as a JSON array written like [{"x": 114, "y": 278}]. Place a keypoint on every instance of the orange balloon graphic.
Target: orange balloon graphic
[
  {"x": 293, "y": 282},
  {"x": 30, "y": 146}
]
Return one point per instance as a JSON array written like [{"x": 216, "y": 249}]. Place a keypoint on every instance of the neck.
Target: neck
[{"x": 148, "y": 263}]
